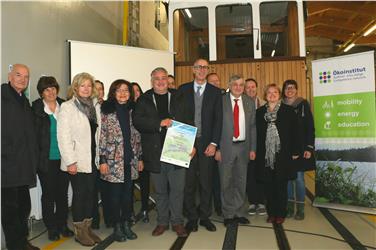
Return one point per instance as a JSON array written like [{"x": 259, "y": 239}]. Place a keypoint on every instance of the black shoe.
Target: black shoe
[
  {"x": 227, "y": 222},
  {"x": 208, "y": 225},
  {"x": 53, "y": 235},
  {"x": 95, "y": 224},
  {"x": 132, "y": 219},
  {"x": 191, "y": 226},
  {"x": 28, "y": 246},
  {"x": 65, "y": 231},
  {"x": 118, "y": 234},
  {"x": 143, "y": 216},
  {"x": 242, "y": 220},
  {"x": 126, "y": 227}
]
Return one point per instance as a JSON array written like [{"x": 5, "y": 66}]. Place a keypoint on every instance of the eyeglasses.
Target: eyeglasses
[
  {"x": 122, "y": 91},
  {"x": 290, "y": 87},
  {"x": 201, "y": 67}
]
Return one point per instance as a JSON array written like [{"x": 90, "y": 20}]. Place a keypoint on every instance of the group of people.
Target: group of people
[{"x": 244, "y": 145}]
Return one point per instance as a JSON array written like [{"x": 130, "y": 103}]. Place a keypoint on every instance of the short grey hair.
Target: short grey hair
[
  {"x": 157, "y": 70},
  {"x": 234, "y": 78}
]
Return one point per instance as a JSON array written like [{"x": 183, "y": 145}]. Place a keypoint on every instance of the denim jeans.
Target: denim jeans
[{"x": 296, "y": 188}]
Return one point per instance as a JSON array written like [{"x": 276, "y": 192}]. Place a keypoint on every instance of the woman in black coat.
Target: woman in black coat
[
  {"x": 296, "y": 189},
  {"x": 144, "y": 179},
  {"x": 276, "y": 149},
  {"x": 54, "y": 182}
]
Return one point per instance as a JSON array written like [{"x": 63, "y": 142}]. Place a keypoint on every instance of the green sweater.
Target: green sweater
[{"x": 54, "y": 149}]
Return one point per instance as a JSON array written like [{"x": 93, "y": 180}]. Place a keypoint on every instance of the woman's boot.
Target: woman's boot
[
  {"x": 118, "y": 233},
  {"x": 81, "y": 235},
  {"x": 128, "y": 231},
  {"x": 65, "y": 231},
  {"x": 290, "y": 209},
  {"x": 90, "y": 232},
  {"x": 299, "y": 212}
]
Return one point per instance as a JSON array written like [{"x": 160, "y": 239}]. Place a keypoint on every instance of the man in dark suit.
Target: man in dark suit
[
  {"x": 19, "y": 158},
  {"x": 204, "y": 103},
  {"x": 237, "y": 147},
  {"x": 213, "y": 78},
  {"x": 255, "y": 189}
]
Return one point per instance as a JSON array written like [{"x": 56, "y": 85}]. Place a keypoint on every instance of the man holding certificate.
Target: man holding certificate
[
  {"x": 237, "y": 146},
  {"x": 204, "y": 103},
  {"x": 154, "y": 112}
]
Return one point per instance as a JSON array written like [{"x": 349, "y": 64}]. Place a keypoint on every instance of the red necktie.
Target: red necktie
[{"x": 236, "y": 118}]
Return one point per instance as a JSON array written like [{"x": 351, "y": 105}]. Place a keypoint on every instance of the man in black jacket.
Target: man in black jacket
[
  {"x": 19, "y": 158},
  {"x": 204, "y": 102},
  {"x": 153, "y": 115}
]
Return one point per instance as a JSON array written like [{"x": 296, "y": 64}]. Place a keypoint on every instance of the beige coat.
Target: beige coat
[{"x": 74, "y": 136}]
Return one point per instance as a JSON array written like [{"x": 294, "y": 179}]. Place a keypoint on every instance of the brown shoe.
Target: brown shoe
[
  {"x": 90, "y": 232},
  {"x": 180, "y": 230},
  {"x": 81, "y": 234},
  {"x": 28, "y": 246},
  {"x": 159, "y": 229}
]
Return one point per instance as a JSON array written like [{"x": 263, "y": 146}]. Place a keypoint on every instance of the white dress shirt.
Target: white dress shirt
[
  {"x": 49, "y": 111},
  {"x": 241, "y": 118},
  {"x": 195, "y": 85}
]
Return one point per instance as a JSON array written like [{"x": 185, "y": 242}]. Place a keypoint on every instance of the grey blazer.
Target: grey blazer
[{"x": 228, "y": 127}]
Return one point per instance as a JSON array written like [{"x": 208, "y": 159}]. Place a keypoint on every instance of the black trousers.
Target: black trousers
[
  {"x": 15, "y": 210},
  {"x": 199, "y": 177},
  {"x": 255, "y": 190},
  {"x": 276, "y": 195},
  {"x": 95, "y": 213},
  {"x": 54, "y": 185},
  {"x": 216, "y": 188},
  {"x": 83, "y": 194},
  {"x": 144, "y": 181},
  {"x": 106, "y": 202},
  {"x": 121, "y": 200}
]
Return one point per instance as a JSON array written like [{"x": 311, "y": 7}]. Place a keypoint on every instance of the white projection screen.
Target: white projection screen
[{"x": 107, "y": 62}]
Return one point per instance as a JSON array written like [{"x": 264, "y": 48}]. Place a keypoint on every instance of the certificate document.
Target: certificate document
[{"x": 178, "y": 144}]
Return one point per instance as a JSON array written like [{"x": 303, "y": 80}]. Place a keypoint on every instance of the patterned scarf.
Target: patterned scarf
[
  {"x": 86, "y": 106},
  {"x": 294, "y": 102},
  {"x": 272, "y": 143}
]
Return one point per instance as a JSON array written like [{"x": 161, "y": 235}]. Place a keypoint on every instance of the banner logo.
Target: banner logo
[{"x": 325, "y": 77}]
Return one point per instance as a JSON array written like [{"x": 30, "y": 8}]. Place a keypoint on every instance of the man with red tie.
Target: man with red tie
[{"x": 237, "y": 146}]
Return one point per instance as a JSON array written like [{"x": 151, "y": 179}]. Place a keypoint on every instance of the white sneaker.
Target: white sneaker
[
  {"x": 252, "y": 209},
  {"x": 261, "y": 209}
]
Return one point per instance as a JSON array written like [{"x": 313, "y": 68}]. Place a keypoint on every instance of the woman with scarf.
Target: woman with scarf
[
  {"x": 120, "y": 156},
  {"x": 276, "y": 149},
  {"x": 306, "y": 162},
  {"x": 78, "y": 127}
]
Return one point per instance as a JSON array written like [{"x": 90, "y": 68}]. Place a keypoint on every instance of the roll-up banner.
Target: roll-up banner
[{"x": 345, "y": 117}]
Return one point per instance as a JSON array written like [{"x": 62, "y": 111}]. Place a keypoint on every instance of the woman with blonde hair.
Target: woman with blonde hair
[
  {"x": 78, "y": 129},
  {"x": 276, "y": 150}
]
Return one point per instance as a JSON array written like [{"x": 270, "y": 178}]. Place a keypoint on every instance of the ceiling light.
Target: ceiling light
[
  {"x": 349, "y": 47},
  {"x": 273, "y": 52},
  {"x": 188, "y": 13},
  {"x": 370, "y": 30}
]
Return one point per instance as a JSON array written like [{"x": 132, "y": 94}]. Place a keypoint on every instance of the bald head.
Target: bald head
[
  {"x": 213, "y": 78},
  {"x": 19, "y": 77}
]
